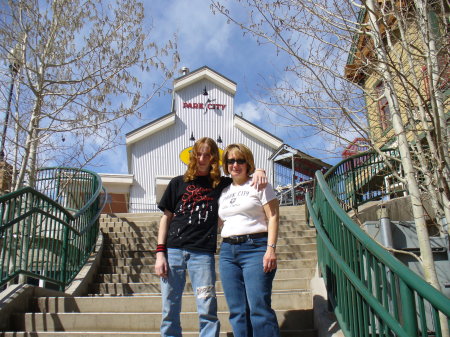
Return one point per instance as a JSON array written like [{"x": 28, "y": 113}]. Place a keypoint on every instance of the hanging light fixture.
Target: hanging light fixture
[
  {"x": 192, "y": 137},
  {"x": 205, "y": 93},
  {"x": 219, "y": 140}
]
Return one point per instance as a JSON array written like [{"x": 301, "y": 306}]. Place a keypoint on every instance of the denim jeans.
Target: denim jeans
[
  {"x": 243, "y": 277},
  {"x": 201, "y": 268}
]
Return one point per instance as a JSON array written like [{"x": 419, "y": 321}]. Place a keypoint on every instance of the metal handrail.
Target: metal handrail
[
  {"x": 286, "y": 197},
  {"x": 372, "y": 293},
  {"x": 48, "y": 232},
  {"x": 360, "y": 178}
]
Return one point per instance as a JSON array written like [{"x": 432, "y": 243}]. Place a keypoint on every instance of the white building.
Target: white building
[{"x": 202, "y": 106}]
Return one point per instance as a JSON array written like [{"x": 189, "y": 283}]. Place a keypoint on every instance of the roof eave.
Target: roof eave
[{"x": 256, "y": 132}]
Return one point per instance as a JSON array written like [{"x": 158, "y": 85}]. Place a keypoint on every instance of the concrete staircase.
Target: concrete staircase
[{"x": 124, "y": 300}]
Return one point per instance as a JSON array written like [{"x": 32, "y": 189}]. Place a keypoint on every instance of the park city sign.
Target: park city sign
[{"x": 204, "y": 106}]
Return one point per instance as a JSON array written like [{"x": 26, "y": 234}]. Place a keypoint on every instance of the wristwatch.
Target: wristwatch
[{"x": 272, "y": 245}]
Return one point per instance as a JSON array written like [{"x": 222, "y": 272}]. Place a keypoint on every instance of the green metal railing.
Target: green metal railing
[
  {"x": 48, "y": 232},
  {"x": 362, "y": 178},
  {"x": 372, "y": 292}
]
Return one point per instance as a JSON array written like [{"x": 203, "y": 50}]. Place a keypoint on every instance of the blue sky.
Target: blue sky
[{"x": 206, "y": 39}]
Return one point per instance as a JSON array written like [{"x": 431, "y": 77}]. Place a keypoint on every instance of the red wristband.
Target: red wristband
[{"x": 161, "y": 248}]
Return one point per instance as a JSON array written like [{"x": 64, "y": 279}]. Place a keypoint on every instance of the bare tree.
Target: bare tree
[
  {"x": 368, "y": 63},
  {"x": 79, "y": 68}
]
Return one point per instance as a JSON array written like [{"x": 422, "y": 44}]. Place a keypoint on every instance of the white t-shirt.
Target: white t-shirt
[{"x": 241, "y": 209}]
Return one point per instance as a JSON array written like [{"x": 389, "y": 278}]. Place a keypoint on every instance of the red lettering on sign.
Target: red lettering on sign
[
  {"x": 210, "y": 106},
  {"x": 216, "y": 106}
]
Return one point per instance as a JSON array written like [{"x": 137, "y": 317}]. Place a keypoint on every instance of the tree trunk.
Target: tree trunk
[{"x": 426, "y": 254}]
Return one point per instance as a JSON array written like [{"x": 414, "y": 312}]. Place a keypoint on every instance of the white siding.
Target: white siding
[{"x": 158, "y": 154}]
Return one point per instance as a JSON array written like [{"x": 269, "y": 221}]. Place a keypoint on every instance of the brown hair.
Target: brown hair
[
  {"x": 241, "y": 150},
  {"x": 214, "y": 173}
]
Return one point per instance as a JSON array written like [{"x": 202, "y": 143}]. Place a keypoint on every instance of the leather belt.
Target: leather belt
[{"x": 243, "y": 238}]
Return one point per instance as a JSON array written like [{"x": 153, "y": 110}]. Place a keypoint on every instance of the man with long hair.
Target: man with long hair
[{"x": 187, "y": 238}]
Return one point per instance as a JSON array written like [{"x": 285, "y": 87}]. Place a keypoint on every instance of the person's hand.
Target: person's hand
[
  {"x": 270, "y": 260},
  {"x": 161, "y": 266},
  {"x": 259, "y": 179}
]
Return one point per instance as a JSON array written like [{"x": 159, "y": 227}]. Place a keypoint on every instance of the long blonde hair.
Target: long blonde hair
[{"x": 214, "y": 172}]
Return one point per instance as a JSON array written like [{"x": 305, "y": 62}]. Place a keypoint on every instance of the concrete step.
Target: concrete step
[
  {"x": 149, "y": 234},
  {"x": 282, "y": 264},
  {"x": 284, "y": 333},
  {"x": 154, "y": 287},
  {"x": 284, "y": 211},
  {"x": 131, "y": 217},
  {"x": 152, "y": 240},
  {"x": 138, "y": 322},
  {"x": 127, "y": 301},
  {"x": 134, "y": 225},
  {"x": 149, "y": 231},
  {"x": 153, "y": 222},
  {"x": 146, "y": 247},
  {"x": 114, "y": 257},
  {"x": 156, "y": 219},
  {"x": 152, "y": 304},
  {"x": 146, "y": 274}
]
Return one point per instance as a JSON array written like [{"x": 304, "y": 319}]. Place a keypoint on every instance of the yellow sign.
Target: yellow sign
[{"x": 184, "y": 155}]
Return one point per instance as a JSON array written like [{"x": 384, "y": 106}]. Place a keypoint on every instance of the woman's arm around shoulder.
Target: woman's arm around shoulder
[{"x": 259, "y": 179}]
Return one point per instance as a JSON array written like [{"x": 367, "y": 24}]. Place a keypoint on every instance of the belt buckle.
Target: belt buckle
[{"x": 238, "y": 238}]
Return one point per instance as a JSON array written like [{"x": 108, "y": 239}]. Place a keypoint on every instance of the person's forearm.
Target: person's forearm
[
  {"x": 272, "y": 213},
  {"x": 272, "y": 232},
  {"x": 164, "y": 227}
]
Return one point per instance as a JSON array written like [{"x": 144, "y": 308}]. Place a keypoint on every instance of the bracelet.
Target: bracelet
[
  {"x": 161, "y": 248},
  {"x": 272, "y": 245}
]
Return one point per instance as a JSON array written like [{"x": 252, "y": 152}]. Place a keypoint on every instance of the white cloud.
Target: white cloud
[
  {"x": 207, "y": 39},
  {"x": 114, "y": 161},
  {"x": 250, "y": 111},
  {"x": 201, "y": 35}
]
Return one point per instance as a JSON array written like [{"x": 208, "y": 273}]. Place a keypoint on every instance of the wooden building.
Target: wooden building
[{"x": 202, "y": 106}]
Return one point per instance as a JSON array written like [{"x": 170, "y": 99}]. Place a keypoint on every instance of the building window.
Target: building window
[
  {"x": 444, "y": 68},
  {"x": 383, "y": 107},
  {"x": 443, "y": 63},
  {"x": 444, "y": 75}
]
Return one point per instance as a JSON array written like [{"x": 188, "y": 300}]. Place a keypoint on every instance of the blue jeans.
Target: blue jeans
[
  {"x": 243, "y": 277},
  {"x": 201, "y": 268}
]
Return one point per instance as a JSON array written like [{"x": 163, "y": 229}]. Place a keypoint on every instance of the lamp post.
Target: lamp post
[{"x": 14, "y": 67}]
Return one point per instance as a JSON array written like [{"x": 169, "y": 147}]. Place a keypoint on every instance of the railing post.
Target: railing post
[
  {"x": 65, "y": 246},
  {"x": 355, "y": 198},
  {"x": 26, "y": 230},
  {"x": 294, "y": 196},
  {"x": 409, "y": 315}
]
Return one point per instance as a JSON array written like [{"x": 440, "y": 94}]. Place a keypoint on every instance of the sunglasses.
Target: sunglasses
[{"x": 239, "y": 161}]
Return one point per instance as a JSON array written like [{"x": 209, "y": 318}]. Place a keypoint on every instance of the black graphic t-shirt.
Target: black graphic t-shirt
[{"x": 194, "y": 205}]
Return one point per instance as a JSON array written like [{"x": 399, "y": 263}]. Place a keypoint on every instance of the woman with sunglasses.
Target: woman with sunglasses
[
  {"x": 187, "y": 238},
  {"x": 247, "y": 254}
]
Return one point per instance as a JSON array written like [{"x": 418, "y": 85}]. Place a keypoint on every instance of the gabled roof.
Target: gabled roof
[
  {"x": 205, "y": 73},
  {"x": 304, "y": 163},
  {"x": 256, "y": 132},
  {"x": 362, "y": 49},
  {"x": 150, "y": 128}
]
